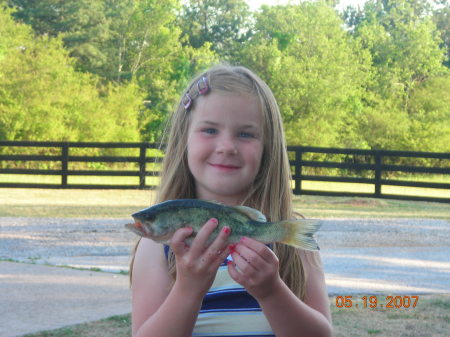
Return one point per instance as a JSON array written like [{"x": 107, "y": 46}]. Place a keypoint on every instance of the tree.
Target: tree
[
  {"x": 225, "y": 24},
  {"x": 441, "y": 17},
  {"x": 122, "y": 41},
  {"x": 405, "y": 51},
  {"x": 42, "y": 96},
  {"x": 149, "y": 51},
  {"x": 429, "y": 114},
  {"x": 82, "y": 24},
  {"x": 307, "y": 60}
]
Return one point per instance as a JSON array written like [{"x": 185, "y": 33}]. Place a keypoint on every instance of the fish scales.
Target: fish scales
[
  {"x": 196, "y": 214},
  {"x": 160, "y": 221}
]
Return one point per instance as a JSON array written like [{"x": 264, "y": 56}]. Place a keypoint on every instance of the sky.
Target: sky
[{"x": 255, "y": 4}]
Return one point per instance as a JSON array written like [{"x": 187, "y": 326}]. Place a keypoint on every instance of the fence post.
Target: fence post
[
  {"x": 142, "y": 164},
  {"x": 378, "y": 162},
  {"x": 64, "y": 164},
  {"x": 298, "y": 172}
]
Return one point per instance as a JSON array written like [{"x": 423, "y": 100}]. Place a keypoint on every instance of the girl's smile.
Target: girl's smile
[
  {"x": 225, "y": 146},
  {"x": 226, "y": 168}
]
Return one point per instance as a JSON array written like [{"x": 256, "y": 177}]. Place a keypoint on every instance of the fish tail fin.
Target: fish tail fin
[{"x": 299, "y": 233}]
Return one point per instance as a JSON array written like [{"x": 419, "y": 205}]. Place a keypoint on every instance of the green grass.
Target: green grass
[
  {"x": 72, "y": 203},
  {"x": 385, "y": 189},
  {"x": 116, "y": 326},
  {"x": 306, "y": 185},
  {"x": 428, "y": 318},
  {"x": 88, "y": 180},
  {"x": 354, "y": 207}
]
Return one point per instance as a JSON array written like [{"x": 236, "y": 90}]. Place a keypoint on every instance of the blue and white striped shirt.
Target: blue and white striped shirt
[{"x": 229, "y": 310}]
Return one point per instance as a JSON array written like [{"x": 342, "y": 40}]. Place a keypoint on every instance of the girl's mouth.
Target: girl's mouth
[{"x": 226, "y": 168}]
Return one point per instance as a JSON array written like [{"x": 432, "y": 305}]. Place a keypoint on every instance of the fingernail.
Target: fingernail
[
  {"x": 232, "y": 248},
  {"x": 243, "y": 239},
  {"x": 226, "y": 230},
  {"x": 214, "y": 220}
]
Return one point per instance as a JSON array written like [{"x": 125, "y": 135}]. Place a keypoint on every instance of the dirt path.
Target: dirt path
[{"x": 359, "y": 255}]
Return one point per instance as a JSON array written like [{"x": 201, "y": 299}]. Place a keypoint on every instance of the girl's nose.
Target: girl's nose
[{"x": 226, "y": 144}]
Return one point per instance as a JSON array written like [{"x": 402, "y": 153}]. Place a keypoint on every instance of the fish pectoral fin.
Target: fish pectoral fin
[{"x": 252, "y": 213}]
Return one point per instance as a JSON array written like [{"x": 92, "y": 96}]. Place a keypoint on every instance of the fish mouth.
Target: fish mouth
[
  {"x": 146, "y": 231},
  {"x": 139, "y": 229}
]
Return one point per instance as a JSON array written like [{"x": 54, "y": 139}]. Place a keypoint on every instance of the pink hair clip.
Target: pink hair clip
[
  {"x": 187, "y": 101},
  {"x": 203, "y": 86}
]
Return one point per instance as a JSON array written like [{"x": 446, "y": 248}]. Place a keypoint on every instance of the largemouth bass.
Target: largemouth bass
[{"x": 160, "y": 221}]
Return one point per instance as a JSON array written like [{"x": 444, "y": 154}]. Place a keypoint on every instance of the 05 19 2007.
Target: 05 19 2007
[{"x": 390, "y": 301}]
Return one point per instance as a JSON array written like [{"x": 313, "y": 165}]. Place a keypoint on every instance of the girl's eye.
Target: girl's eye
[
  {"x": 246, "y": 135},
  {"x": 210, "y": 131}
]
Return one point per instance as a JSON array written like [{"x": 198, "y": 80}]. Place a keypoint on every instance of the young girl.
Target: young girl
[{"x": 226, "y": 144}]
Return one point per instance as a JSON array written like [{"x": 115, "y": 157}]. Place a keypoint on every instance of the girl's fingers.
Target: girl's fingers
[
  {"x": 250, "y": 256},
  {"x": 234, "y": 273},
  {"x": 259, "y": 248},
  {"x": 199, "y": 243},
  {"x": 247, "y": 257},
  {"x": 177, "y": 243},
  {"x": 219, "y": 247},
  {"x": 244, "y": 266}
]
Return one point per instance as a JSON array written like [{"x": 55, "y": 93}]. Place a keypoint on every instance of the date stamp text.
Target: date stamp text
[{"x": 389, "y": 302}]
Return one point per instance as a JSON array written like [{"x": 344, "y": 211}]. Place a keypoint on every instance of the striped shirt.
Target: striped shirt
[{"x": 229, "y": 310}]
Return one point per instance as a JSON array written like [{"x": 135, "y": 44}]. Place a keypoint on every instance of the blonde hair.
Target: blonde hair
[{"x": 270, "y": 192}]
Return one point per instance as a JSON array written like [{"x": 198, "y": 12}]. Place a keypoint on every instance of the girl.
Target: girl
[{"x": 226, "y": 144}]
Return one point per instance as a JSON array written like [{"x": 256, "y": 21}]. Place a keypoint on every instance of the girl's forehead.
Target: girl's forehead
[{"x": 226, "y": 105}]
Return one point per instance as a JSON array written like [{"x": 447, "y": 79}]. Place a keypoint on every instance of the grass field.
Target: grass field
[
  {"x": 431, "y": 317},
  {"x": 306, "y": 185},
  {"x": 121, "y": 203}
]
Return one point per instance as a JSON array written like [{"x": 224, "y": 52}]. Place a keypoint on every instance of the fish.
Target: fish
[{"x": 159, "y": 222}]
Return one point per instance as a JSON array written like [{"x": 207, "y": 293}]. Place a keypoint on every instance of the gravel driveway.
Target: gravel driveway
[{"x": 359, "y": 255}]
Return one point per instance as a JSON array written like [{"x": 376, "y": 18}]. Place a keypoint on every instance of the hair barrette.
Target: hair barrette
[
  {"x": 203, "y": 86},
  {"x": 187, "y": 101}
]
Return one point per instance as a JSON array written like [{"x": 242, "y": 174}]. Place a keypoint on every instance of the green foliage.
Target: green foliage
[
  {"x": 102, "y": 70},
  {"x": 225, "y": 24},
  {"x": 308, "y": 61},
  {"x": 82, "y": 24},
  {"x": 404, "y": 46},
  {"x": 429, "y": 112},
  {"x": 42, "y": 97},
  {"x": 441, "y": 17}
]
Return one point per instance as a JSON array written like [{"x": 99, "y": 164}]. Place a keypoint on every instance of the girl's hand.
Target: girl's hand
[
  {"x": 255, "y": 267},
  {"x": 197, "y": 265}
]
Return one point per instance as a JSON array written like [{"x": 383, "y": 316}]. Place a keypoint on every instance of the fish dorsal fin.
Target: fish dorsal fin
[
  {"x": 252, "y": 213},
  {"x": 216, "y": 202}
]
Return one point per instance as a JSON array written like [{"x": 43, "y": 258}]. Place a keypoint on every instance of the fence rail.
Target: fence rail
[{"x": 309, "y": 165}]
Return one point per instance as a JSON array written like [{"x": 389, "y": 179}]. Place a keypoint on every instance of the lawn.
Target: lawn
[
  {"x": 121, "y": 203},
  {"x": 306, "y": 185},
  {"x": 430, "y": 318}
]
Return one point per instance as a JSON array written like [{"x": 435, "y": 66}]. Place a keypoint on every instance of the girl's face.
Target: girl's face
[{"x": 225, "y": 146}]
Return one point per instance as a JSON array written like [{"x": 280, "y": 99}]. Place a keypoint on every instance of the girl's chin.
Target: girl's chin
[{"x": 223, "y": 194}]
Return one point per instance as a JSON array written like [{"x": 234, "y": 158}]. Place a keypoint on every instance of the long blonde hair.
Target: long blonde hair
[{"x": 270, "y": 192}]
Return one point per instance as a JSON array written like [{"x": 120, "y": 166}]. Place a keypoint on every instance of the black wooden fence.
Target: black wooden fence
[{"x": 377, "y": 168}]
